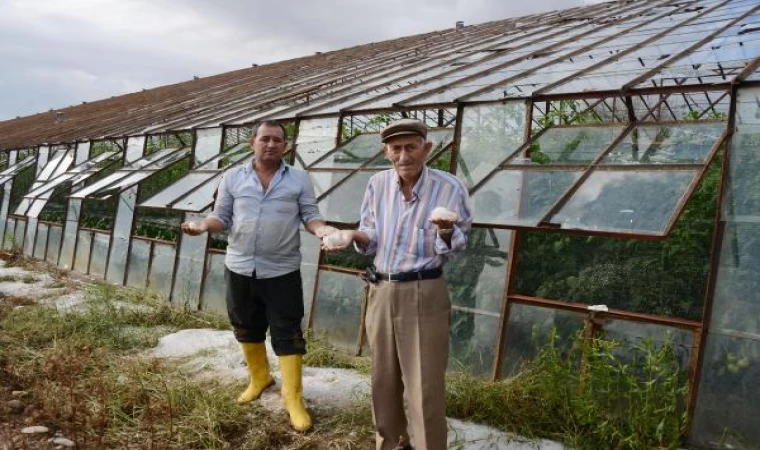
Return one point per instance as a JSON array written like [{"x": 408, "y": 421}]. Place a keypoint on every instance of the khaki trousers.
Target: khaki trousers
[{"x": 408, "y": 332}]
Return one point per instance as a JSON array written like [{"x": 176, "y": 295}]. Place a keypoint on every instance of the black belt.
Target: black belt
[{"x": 428, "y": 274}]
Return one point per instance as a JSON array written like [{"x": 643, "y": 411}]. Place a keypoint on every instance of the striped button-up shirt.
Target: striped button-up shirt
[
  {"x": 402, "y": 237},
  {"x": 264, "y": 226}
]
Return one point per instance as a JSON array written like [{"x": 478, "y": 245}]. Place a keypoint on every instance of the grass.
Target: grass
[
  {"x": 319, "y": 353},
  {"x": 599, "y": 396},
  {"x": 108, "y": 394}
]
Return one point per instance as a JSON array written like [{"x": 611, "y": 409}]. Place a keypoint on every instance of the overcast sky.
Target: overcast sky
[{"x": 56, "y": 53}]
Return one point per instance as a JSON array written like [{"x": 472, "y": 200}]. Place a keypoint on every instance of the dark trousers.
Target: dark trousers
[{"x": 255, "y": 305}]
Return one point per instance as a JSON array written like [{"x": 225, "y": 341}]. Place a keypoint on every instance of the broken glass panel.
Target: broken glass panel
[
  {"x": 490, "y": 133},
  {"x": 181, "y": 187},
  {"x": 686, "y": 143},
  {"x": 531, "y": 328},
  {"x": 353, "y": 153},
  {"x": 572, "y": 145},
  {"x": 139, "y": 261},
  {"x": 337, "y": 313},
  {"x": 520, "y": 198},
  {"x": 640, "y": 201},
  {"x": 344, "y": 203},
  {"x": 201, "y": 198},
  {"x": 11, "y": 171}
]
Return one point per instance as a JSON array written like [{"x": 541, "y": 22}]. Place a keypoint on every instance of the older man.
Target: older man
[
  {"x": 262, "y": 204},
  {"x": 408, "y": 311}
]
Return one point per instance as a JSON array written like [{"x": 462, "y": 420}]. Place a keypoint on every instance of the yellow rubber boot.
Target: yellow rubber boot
[
  {"x": 255, "y": 355},
  {"x": 292, "y": 392}
]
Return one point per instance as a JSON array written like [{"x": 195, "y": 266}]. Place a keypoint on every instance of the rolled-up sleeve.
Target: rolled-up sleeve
[
  {"x": 367, "y": 221},
  {"x": 223, "y": 206},
  {"x": 460, "y": 204},
  {"x": 307, "y": 201}
]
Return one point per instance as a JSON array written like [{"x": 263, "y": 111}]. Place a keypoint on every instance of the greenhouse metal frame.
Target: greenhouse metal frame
[{"x": 599, "y": 123}]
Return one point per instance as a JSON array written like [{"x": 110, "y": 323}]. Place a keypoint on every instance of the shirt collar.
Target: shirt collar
[
  {"x": 419, "y": 186},
  {"x": 283, "y": 166}
]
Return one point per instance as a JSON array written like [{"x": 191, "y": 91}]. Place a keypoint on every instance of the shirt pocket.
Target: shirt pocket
[
  {"x": 423, "y": 242},
  {"x": 242, "y": 237}
]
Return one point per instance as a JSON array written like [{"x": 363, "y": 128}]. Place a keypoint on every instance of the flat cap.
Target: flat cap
[{"x": 404, "y": 127}]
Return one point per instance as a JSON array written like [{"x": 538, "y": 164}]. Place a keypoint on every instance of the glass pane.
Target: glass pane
[
  {"x": 515, "y": 197},
  {"x": 54, "y": 242},
  {"x": 161, "y": 269},
  {"x": 208, "y": 142},
  {"x": 633, "y": 334},
  {"x": 472, "y": 342},
  {"x": 10, "y": 235},
  {"x": 179, "y": 188},
  {"x": 572, "y": 145},
  {"x": 187, "y": 282},
  {"x": 40, "y": 241},
  {"x": 214, "y": 287},
  {"x": 729, "y": 399},
  {"x": 688, "y": 143},
  {"x": 666, "y": 277},
  {"x": 490, "y": 133},
  {"x": 70, "y": 234},
  {"x": 322, "y": 181},
  {"x": 353, "y": 153},
  {"x": 201, "y": 199},
  {"x": 641, "y": 201},
  {"x": 148, "y": 160},
  {"x": 743, "y": 194},
  {"x": 18, "y": 241},
  {"x": 121, "y": 234},
  {"x": 8, "y": 173},
  {"x": 315, "y": 138},
  {"x": 100, "y": 184},
  {"x": 476, "y": 277},
  {"x": 82, "y": 260},
  {"x": 344, "y": 203},
  {"x": 132, "y": 179},
  {"x": 138, "y": 264},
  {"x": 57, "y": 165},
  {"x": 529, "y": 330},
  {"x": 736, "y": 305},
  {"x": 99, "y": 254},
  {"x": 337, "y": 314}
]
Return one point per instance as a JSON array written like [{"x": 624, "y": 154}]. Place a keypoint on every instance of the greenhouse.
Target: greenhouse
[{"x": 612, "y": 153}]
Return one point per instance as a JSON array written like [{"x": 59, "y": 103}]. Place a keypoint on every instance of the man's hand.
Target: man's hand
[
  {"x": 324, "y": 230},
  {"x": 337, "y": 240},
  {"x": 443, "y": 218},
  {"x": 194, "y": 228}
]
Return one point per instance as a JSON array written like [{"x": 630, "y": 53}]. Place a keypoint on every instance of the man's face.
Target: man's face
[
  {"x": 268, "y": 144},
  {"x": 408, "y": 155}
]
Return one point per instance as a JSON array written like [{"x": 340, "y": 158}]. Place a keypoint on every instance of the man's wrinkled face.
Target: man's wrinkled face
[
  {"x": 408, "y": 155},
  {"x": 268, "y": 144}
]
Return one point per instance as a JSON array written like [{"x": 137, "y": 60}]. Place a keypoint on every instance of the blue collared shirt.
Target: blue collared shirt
[
  {"x": 263, "y": 226},
  {"x": 401, "y": 235}
]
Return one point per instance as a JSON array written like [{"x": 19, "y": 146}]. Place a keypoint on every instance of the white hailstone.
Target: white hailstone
[
  {"x": 441, "y": 213},
  {"x": 337, "y": 239},
  {"x": 598, "y": 308},
  {"x": 325, "y": 230}
]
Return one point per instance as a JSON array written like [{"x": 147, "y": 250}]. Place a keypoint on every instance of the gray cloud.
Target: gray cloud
[{"x": 58, "y": 53}]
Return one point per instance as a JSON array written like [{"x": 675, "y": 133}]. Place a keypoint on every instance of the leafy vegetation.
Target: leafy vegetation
[
  {"x": 598, "y": 395},
  {"x": 657, "y": 277}
]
